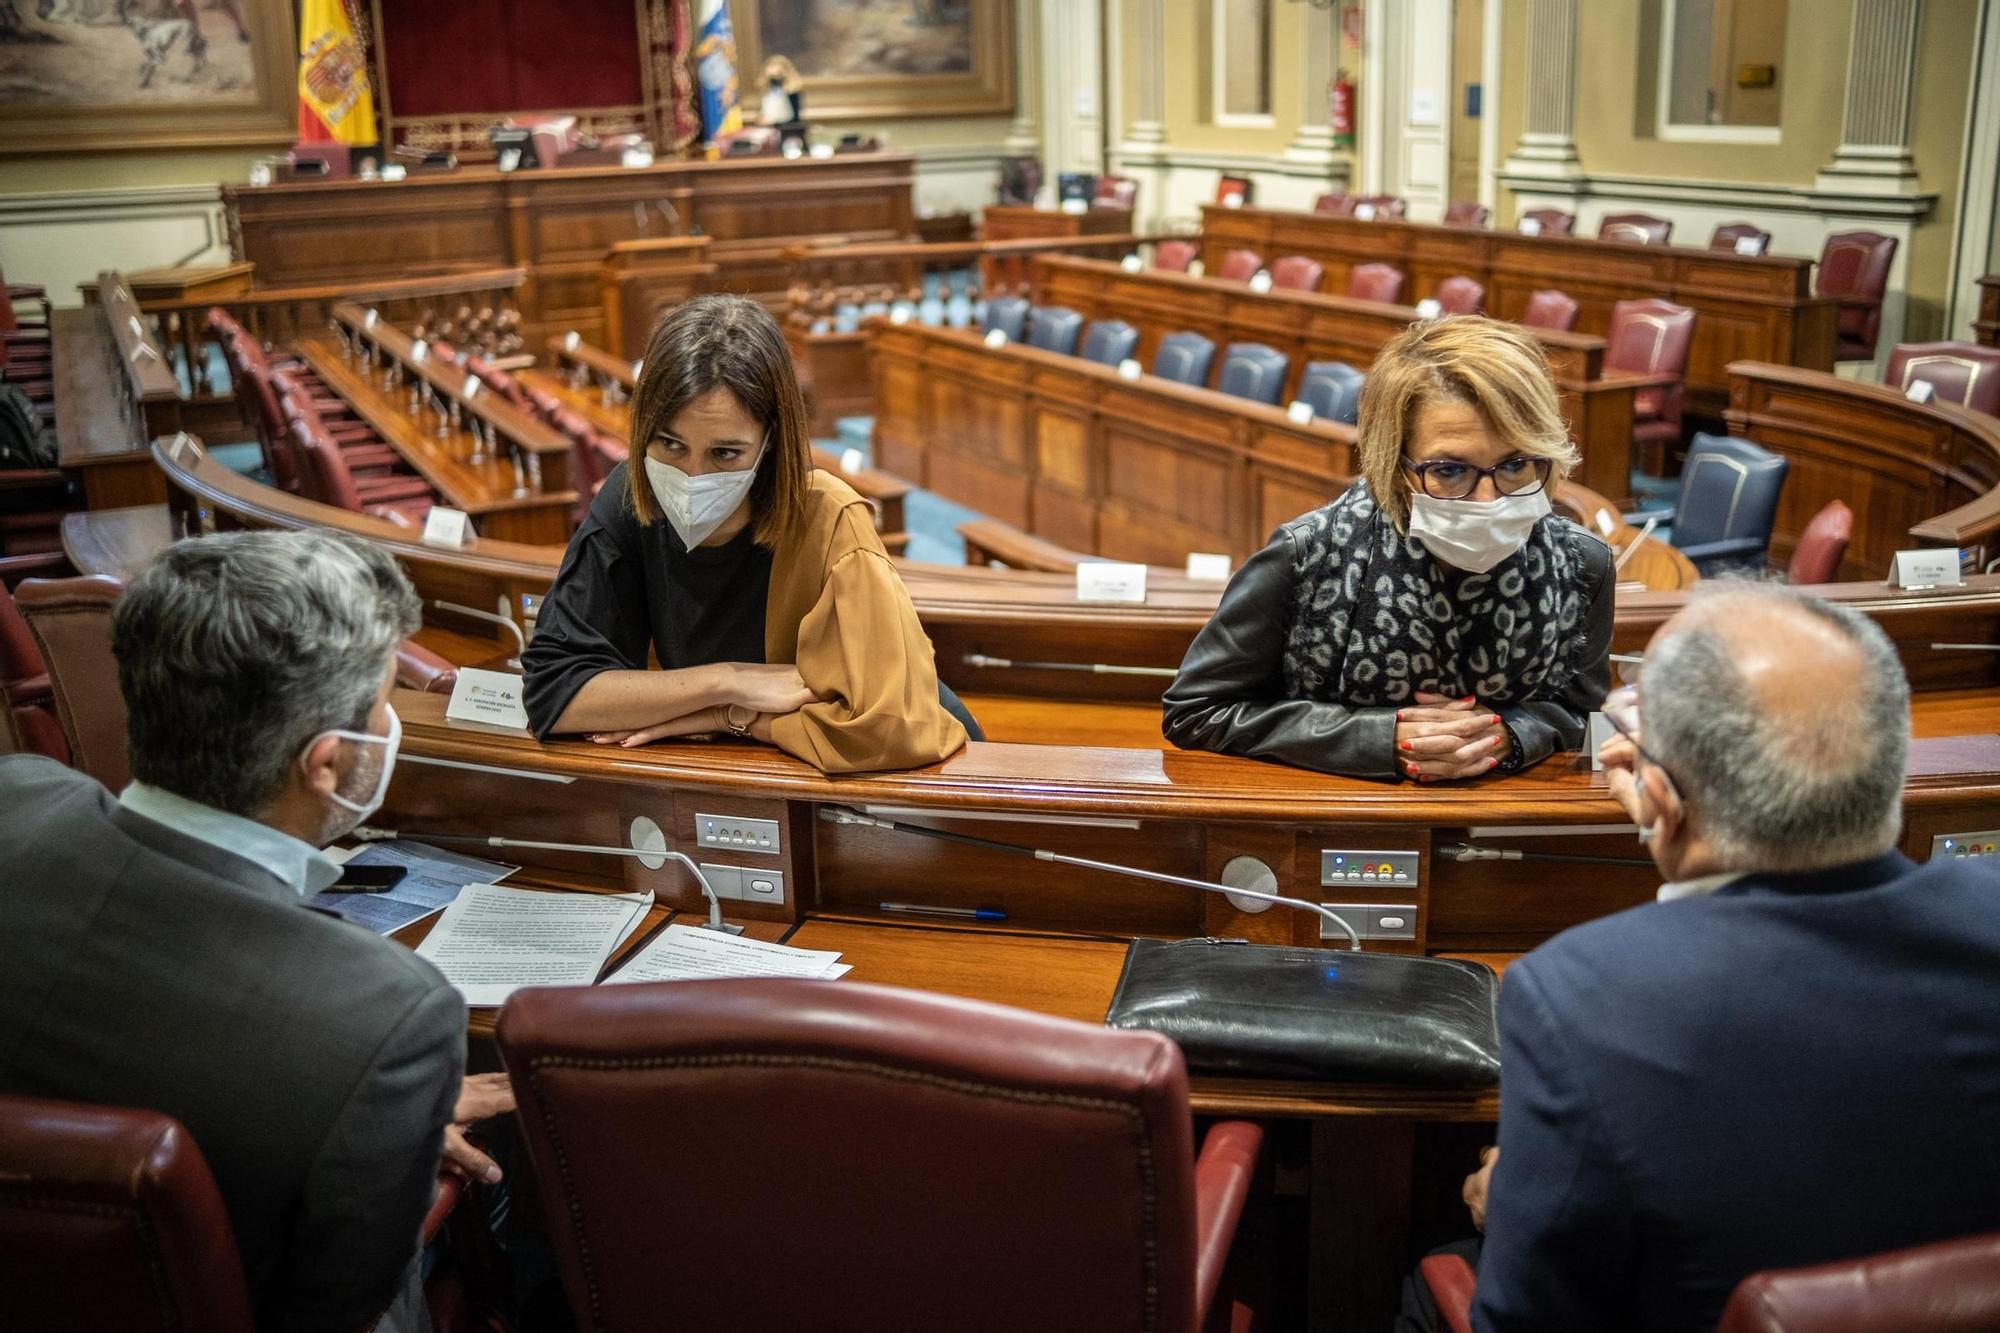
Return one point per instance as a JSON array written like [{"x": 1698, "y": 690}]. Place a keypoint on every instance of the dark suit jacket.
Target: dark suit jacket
[
  {"x": 1795, "y": 1069},
  {"x": 315, "y": 1064}
]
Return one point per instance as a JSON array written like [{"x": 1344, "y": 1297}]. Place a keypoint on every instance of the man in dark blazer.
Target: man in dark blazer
[
  {"x": 1794, "y": 1057},
  {"x": 155, "y": 946}
]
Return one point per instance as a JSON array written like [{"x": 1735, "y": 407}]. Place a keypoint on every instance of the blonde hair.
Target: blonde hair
[{"x": 1488, "y": 365}]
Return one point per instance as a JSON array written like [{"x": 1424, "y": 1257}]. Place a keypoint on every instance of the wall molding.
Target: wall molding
[
  {"x": 1907, "y": 208},
  {"x": 39, "y": 207},
  {"x": 1269, "y": 164}
]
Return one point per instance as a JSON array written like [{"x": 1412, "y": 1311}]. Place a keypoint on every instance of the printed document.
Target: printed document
[
  {"x": 689, "y": 953},
  {"x": 494, "y": 940}
]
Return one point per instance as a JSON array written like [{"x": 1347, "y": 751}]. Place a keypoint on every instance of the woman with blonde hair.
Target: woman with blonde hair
[
  {"x": 758, "y": 583},
  {"x": 1437, "y": 620}
]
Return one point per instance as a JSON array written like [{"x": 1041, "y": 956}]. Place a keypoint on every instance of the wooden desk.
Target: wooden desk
[
  {"x": 101, "y": 437},
  {"x": 1746, "y": 307},
  {"x": 558, "y": 224},
  {"x": 117, "y": 542},
  {"x": 1024, "y": 222},
  {"x": 640, "y": 281}
]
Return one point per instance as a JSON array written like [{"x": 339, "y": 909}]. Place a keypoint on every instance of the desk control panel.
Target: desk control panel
[
  {"x": 734, "y": 833},
  {"x": 742, "y": 884},
  {"x": 1339, "y": 866},
  {"x": 1966, "y": 844},
  {"x": 1372, "y": 921}
]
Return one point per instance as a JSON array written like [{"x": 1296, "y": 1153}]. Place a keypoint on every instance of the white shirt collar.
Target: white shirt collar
[
  {"x": 1696, "y": 888},
  {"x": 299, "y": 865}
]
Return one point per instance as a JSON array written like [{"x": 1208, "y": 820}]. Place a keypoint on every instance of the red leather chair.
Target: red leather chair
[
  {"x": 1460, "y": 296},
  {"x": 1467, "y": 213},
  {"x": 1175, "y": 256},
  {"x": 1636, "y": 228},
  {"x": 357, "y": 441},
  {"x": 109, "y": 1219},
  {"x": 1816, "y": 559},
  {"x": 500, "y": 382},
  {"x": 1235, "y": 187},
  {"x": 1650, "y": 337},
  {"x": 1726, "y": 236},
  {"x": 418, "y": 668},
  {"x": 1335, "y": 205},
  {"x": 1950, "y": 1287},
  {"x": 71, "y": 622},
  {"x": 1854, "y": 270},
  {"x": 1548, "y": 222},
  {"x": 1297, "y": 273},
  {"x": 404, "y": 501},
  {"x": 901, "y": 1160},
  {"x": 1550, "y": 309},
  {"x": 26, "y": 698},
  {"x": 1962, "y": 373},
  {"x": 1375, "y": 282},
  {"x": 1377, "y": 207},
  {"x": 1115, "y": 192},
  {"x": 1239, "y": 265}
]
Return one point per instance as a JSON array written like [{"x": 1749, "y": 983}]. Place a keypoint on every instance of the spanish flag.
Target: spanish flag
[
  {"x": 336, "y": 103},
  {"x": 715, "y": 70}
]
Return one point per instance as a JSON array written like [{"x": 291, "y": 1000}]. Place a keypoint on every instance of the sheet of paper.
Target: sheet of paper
[
  {"x": 494, "y": 940},
  {"x": 689, "y": 953},
  {"x": 1110, "y": 581},
  {"x": 434, "y": 879}
]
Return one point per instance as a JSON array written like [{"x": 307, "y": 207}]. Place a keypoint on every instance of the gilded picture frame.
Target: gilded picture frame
[
  {"x": 914, "y": 57},
  {"x": 99, "y": 75}
]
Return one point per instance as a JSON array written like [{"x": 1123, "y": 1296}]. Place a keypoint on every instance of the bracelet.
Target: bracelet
[
  {"x": 1515, "y": 760},
  {"x": 739, "y": 728}
]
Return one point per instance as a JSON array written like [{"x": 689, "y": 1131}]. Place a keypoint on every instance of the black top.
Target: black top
[{"x": 624, "y": 584}]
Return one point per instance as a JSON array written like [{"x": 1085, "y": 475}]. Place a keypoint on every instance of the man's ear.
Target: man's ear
[
  {"x": 1659, "y": 800},
  {"x": 321, "y": 765}
]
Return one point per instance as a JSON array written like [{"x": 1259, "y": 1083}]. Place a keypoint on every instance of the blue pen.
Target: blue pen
[{"x": 964, "y": 913}]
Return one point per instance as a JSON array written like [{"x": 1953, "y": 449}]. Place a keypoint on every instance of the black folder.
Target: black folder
[{"x": 1272, "y": 1011}]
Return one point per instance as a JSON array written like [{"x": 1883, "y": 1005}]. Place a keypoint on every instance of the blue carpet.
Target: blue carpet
[{"x": 247, "y": 459}]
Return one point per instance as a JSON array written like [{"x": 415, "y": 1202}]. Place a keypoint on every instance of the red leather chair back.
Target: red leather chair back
[
  {"x": 1297, "y": 273},
  {"x": 109, "y": 1219},
  {"x": 500, "y": 382},
  {"x": 1335, "y": 205},
  {"x": 1854, "y": 269},
  {"x": 1375, "y": 282},
  {"x": 1550, "y": 221},
  {"x": 1962, "y": 373},
  {"x": 1115, "y": 192},
  {"x": 896, "y": 1159},
  {"x": 71, "y": 620},
  {"x": 1650, "y": 337},
  {"x": 418, "y": 668},
  {"x": 1239, "y": 265},
  {"x": 1949, "y": 1287},
  {"x": 1174, "y": 256},
  {"x": 1550, "y": 309},
  {"x": 1460, "y": 296},
  {"x": 1235, "y": 187},
  {"x": 325, "y": 477},
  {"x": 1467, "y": 213},
  {"x": 1636, "y": 228},
  {"x": 1728, "y": 234},
  {"x": 1816, "y": 559},
  {"x": 20, "y": 659}
]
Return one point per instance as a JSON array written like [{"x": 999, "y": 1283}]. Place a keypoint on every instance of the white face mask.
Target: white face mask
[
  {"x": 391, "y": 743},
  {"x": 697, "y": 506},
  {"x": 1475, "y": 535}
]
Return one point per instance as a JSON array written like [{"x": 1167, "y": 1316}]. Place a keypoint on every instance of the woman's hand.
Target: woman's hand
[
  {"x": 1438, "y": 739},
  {"x": 774, "y": 688},
  {"x": 694, "y": 724}
]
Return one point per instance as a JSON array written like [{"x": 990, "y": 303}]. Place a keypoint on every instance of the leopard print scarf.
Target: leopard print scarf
[{"x": 1376, "y": 618}]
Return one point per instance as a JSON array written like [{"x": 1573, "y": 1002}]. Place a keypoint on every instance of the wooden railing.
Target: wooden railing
[
  {"x": 1002, "y": 265},
  {"x": 152, "y": 397}
]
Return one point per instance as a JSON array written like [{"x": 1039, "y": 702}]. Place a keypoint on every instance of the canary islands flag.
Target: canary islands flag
[
  {"x": 715, "y": 71},
  {"x": 336, "y": 103}
]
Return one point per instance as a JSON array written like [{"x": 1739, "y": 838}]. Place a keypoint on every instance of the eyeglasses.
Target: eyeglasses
[
  {"x": 1621, "y": 710},
  {"x": 1449, "y": 479}
]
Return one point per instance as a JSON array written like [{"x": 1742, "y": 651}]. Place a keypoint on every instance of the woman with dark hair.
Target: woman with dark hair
[{"x": 759, "y": 583}]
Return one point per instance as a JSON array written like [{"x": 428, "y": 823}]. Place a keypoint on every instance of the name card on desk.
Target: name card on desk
[
  {"x": 996, "y": 337},
  {"x": 1300, "y": 412},
  {"x": 470, "y": 390},
  {"x": 1599, "y": 732},
  {"x": 571, "y": 339},
  {"x": 1132, "y": 263},
  {"x": 1208, "y": 565},
  {"x": 491, "y": 697},
  {"x": 852, "y": 460},
  {"x": 419, "y": 350},
  {"x": 636, "y": 157},
  {"x": 1260, "y": 281},
  {"x": 1130, "y": 369},
  {"x": 1232, "y": 201},
  {"x": 1929, "y": 567},
  {"x": 1109, "y": 581},
  {"x": 820, "y": 151},
  {"x": 395, "y": 171},
  {"x": 368, "y": 320},
  {"x": 1428, "y": 308},
  {"x": 1364, "y": 212},
  {"x": 1196, "y": 268},
  {"x": 1749, "y": 245},
  {"x": 1531, "y": 226},
  {"x": 1076, "y": 205},
  {"x": 446, "y": 527},
  {"x": 1920, "y": 391},
  {"x": 637, "y": 366}
]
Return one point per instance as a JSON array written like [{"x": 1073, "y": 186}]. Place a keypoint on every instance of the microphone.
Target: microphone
[
  {"x": 1966, "y": 647},
  {"x": 1465, "y": 851},
  {"x": 837, "y": 814},
  {"x": 664, "y": 853}
]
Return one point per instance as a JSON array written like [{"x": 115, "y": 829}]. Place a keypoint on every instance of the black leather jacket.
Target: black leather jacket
[{"x": 1229, "y": 695}]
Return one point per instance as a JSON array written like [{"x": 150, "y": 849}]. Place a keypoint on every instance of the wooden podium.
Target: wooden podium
[
  {"x": 1020, "y": 222},
  {"x": 640, "y": 279}
]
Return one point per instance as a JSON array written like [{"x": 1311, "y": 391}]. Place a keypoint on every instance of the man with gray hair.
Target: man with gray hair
[
  {"x": 1794, "y": 1056},
  {"x": 155, "y": 946}
]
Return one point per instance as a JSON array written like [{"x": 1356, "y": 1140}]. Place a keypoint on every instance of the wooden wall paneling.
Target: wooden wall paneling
[
  {"x": 1174, "y": 474},
  {"x": 1278, "y": 849},
  {"x": 1503, "y": 905},
  {"x": 1068, "y": 462},
  {"x": 983, "y": 456},
  {"x": 901, "y": 431},
  {"x": 636, "y": 281}
]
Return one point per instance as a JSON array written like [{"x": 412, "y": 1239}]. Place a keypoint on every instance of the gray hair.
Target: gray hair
[
  {"x": 1800, "y": 791},
  {"x": 234, "y": 651}
]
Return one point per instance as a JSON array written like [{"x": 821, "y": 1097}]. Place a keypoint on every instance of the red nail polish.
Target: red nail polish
[
  {"x": 1467, "y": 699},
  {"x": 1406, "y": 745}
]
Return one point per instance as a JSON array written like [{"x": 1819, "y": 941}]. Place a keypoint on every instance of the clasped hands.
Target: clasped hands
[
  {"x": 1439, "y": 738},
  {"x": 767, "y": 689}
]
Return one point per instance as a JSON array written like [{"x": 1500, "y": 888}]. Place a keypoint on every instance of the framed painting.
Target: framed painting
[
  {"x": 113, "y": 74},
  {"x": 878, "y": 59}
]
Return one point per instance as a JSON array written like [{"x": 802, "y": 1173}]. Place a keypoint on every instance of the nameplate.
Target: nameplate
[
  {"x": 1300, "y": 412},
  {"x": 637, "y": 366},
  {"x": 471, "y": 389},
  {"x": 1531, "y": 226},
  {"x": 899, "y": 314},
  {"x": 1107, "y": 581},
  {"x": 1920, "y": 391},
  {"x": 395, "y": 171},
  {"x": 1428, "y": 308},
  {"x": 419, "y": 350},
  {"x": 368, "y": 320},
  {"x": 1130, "y": 369},
  {"x": 996, "y": 337},
  {"x": 1196, "y": 268},
  {"x": 446, "y": 527},
  {"x": 1232, "y": 201},
  {"x": 1364, "y": 212},
  {"x": 489, "y": 697},
  {"x": 1076, "y": 206},
  {"x": 260, "y": 174},
  {"x": 852, "y": 460},
  {"x": 1749, "y": 245},
  {"x": 1928, "y": 567},
  {"x": 1208, "y": 565},
  {"x": 1597, "y": 736},
  {"x": 1260, "y": 281},
  {"x": 571, "y": 339},
  {"x": 820, "y": 151},
  {"x": 1132, "y": 263},
  {"x": 636, "y": 157}
]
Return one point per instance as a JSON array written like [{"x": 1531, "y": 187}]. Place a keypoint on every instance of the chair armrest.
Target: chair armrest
[
  {"x": 28, "y": 692},
  {"x": 1725, "y": 548},
  {"x": 1221, "y": 1183},
  {"x": 1634, "y": 379},
  {"x": 47, "y": 565},
  {"x": 1450, "y": 1279},
  {"x": 449, "y": 1187},
  {"x": 418, "y": 668}
]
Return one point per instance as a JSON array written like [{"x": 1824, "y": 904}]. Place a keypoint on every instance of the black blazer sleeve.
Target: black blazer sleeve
[
  {"x": 1230, "y": 693},
  {"x": 595, "y": 617},
  {"x": 1543, "y": 726}
]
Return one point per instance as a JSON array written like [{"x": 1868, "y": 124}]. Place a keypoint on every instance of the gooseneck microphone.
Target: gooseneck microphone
[
  {"x": 655, "y": 855},
  {"x": 836, "y": 814}
]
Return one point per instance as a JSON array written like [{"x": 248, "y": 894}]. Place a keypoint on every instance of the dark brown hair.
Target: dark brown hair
[{"x": 726, "y": 342}]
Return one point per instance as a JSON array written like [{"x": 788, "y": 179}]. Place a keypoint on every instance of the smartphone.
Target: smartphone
[{"x": 369, "y": 879}]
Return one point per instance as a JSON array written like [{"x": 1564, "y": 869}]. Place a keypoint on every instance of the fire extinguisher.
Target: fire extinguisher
[{"x": 1340, "y": 98}]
